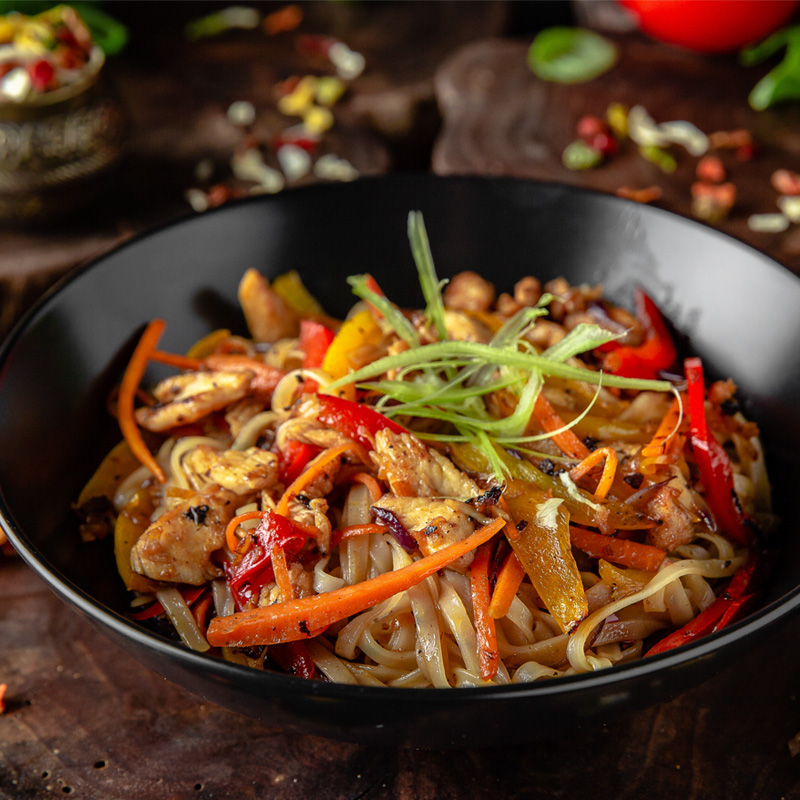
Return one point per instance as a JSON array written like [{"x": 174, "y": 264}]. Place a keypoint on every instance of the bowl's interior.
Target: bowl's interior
[{"x": 736, "y": 308}]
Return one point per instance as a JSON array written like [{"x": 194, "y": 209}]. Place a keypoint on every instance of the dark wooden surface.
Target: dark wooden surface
[{"x": 84, "y": 720}]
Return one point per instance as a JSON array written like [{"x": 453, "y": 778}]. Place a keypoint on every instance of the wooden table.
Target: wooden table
[{"x": 85, "y": 720}]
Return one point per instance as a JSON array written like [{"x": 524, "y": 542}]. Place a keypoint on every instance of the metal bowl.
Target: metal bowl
[
  {"x": 56, "y": 147},
  {"x": 737, "y": 308}
]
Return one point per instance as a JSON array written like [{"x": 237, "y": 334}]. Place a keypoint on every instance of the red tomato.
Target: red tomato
[{"x": 710, "y": 26}]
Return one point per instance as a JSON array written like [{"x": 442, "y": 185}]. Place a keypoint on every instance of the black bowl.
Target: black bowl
[{"x": 736, "y": 308}]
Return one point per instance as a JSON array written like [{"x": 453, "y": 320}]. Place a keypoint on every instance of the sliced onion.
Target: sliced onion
[
  {"x": 396, "y": 528},
  {"x": 182, "y": 618}
]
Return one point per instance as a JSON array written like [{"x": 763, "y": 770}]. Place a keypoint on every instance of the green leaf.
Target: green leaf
[
  {"x": 582, "y": 338},
  {"x": 570, "y": 55},
  {"x": 782, "y": 83},
  {"x": 391, "y": 313},
  {"x": 428, "y": 280}
]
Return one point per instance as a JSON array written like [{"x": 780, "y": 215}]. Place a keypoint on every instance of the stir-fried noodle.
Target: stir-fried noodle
[{"x": 494, "y": 489}]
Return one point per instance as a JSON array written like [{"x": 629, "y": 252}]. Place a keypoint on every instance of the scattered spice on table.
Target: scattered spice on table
[{"x": 291, "y": 154}]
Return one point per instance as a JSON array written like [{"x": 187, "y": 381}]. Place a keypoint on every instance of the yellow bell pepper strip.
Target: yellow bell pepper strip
[
  {"x": 290, "y": 288},
  {"x": 728, "y": 607},
  {"x": 116, "y": 466},
  {"x": 300, "y": 619},
  {"x": 543, "y": 546},
  {"x": 361, "y": 329},
  {"x": 131, "y": 524},
  {"x": 715, "y": 467},
  {"x": 209, "y": 343}
]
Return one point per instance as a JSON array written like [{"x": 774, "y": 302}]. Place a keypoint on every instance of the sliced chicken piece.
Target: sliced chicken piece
[
  {"x": 432, "y": 523},
  {"x": 177, "y": 547},
  {"x": 190, "y": 396},
  {"x": 675, "y": 525},
  {"x": 468, "y": 291},
  {"x": 239, "y": 471},
  {"x": 309, "y": 431},
  {"x": 269, "y": 317},
  {"x": 414, "y": 470},
  {"x": 464, "y": 328}
]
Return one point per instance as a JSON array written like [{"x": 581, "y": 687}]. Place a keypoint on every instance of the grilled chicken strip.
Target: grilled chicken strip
[
  {"x": 177, "y": 547},
  {"x": 414, "y": 470},
  {"x": 269, "y": 317},
  {"x": 189, "y": 397},
  {"x": 240, "y": 471}
]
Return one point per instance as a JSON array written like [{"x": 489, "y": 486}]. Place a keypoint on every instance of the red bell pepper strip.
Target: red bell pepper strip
[
  {"x": 252, "y": 568},
  {"x": 315, "y": 339},
  {"x": 356, "y": 421},
  {"x": 713, "y": 462},
  {"x": 727, "y": 608},
  {"x": 294, "y": 658},
  {"x": 656, "y": 353},
  {"x": 295, "y": 458}
]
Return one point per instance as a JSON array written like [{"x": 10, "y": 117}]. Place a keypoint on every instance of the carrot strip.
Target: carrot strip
[
  {"x": 509, "y": 578},
  {"x": 127, "y": 392},
  {"x": 375, "y": 491},
  {"x": 314, "y": 469},
  {"x": 281, "y": 570},
  {"x": 609, "y": 458},
  {"x": 175, "y": 360},
  {"x": 618, "y": 551},
  {"x": 200, "y": 610},
  {"x": 297, "y": 619},
  {"x": 230, "y": 530},
  {"x": 265, "y": 379},
  {"x": 351, "y": 531},
  {"x": 484, "y": 622},
  {"x": 549, "y": 419},
  {"x": 667, "y": 429}
]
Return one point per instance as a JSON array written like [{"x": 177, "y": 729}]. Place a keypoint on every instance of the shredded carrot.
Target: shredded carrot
[
  {"x": 298, "y": 619},
  {"x": 175, "y": 360},
  {"x": 314, "y": 469},
  {"x": 665, "y": 444},
  {"x": 375, "y": 491},
  {"x": 549, "y": 419},
  {"x": 505, "y": 590},
  {"x": 200, "y": 611},
  {"x": 484, "y": 622},
  {"x": 230, "y": 531},
  {"x": 127, "y": 392},
  {"x": 281, "y": 570},
  {"x": 352, "y": 531},
  {"x": 265, "y": 377},
  {"x": 609, "y": 458},
  {"x": 618, "y": 551}
]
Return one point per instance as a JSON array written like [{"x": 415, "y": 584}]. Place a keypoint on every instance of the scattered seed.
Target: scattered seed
[{"x": 768, "y": 223}]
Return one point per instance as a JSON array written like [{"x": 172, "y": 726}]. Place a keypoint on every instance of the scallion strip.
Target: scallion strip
[{"x": 444, "y": 354}]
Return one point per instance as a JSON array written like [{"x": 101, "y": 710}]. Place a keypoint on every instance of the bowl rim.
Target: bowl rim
[{"x": 759, "y": 621}]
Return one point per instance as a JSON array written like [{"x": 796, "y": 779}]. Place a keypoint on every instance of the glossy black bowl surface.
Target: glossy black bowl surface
[{"x": 735, "y": 307}]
